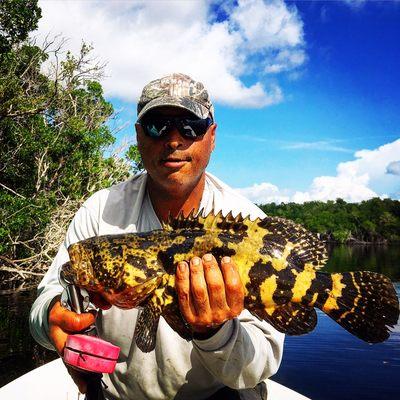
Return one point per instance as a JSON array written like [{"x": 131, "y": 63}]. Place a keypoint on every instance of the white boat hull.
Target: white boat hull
[{"x": 51, "y": 381}]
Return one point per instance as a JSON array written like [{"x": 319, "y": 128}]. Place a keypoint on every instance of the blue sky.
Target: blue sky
[
  {"x": 306, "y": 93},
  {"x": 347, "y": 96}
]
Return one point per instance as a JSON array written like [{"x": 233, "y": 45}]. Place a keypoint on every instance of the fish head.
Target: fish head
[
  {"x": 133, "y": 295},
  {"x": 81, "y": 268},
  {"x": 122, "y": 277}
]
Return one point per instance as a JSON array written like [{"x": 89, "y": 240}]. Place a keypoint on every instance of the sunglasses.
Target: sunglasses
[{"x": 158, "y": 126}]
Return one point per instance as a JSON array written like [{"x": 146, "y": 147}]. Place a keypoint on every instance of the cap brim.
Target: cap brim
[{"x": 187, "y": 104}]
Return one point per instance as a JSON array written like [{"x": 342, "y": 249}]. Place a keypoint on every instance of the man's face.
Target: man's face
[{"x": 174, "y": 162}]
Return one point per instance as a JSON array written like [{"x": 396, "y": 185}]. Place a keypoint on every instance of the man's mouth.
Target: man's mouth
[{"x": 174, "y": 162}]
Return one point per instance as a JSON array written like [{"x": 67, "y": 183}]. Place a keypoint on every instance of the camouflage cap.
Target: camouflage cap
[{"x": 176, "y": 90}]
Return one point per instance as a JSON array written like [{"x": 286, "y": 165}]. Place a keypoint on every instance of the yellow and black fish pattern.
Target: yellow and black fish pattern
[{"x": 278, "y": 262}]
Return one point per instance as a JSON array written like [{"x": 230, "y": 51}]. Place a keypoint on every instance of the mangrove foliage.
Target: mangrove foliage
[
  {"x": 374, "y": 220},
  {"x": 54, "y": 130}
]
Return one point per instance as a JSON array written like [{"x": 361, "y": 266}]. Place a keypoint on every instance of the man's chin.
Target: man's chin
[
  {"x": 177, "y": 182},
  {"x": 174, "y": 181}
]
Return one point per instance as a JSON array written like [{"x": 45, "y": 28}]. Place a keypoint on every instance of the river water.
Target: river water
[
  {"x": 326, "y": 364},
  {"x": 331, "y": 364}
]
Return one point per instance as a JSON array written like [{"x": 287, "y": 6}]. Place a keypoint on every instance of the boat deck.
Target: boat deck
[{"x": 43, "y": 382}]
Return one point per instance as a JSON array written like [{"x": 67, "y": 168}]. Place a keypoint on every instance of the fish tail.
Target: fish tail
[{"x": 364, "y": 303}]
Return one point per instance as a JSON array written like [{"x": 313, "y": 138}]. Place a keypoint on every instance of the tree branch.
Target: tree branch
[{"x": 12, "y": 191}]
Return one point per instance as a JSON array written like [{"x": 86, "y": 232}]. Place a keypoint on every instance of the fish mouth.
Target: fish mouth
[
  {"x": 131, "y": 297},
  {"x": 79, "y": 266}
]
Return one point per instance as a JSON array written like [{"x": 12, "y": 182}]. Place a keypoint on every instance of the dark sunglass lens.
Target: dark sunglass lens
[
  {"x": 190, "y": 128},
  {"x": 195, "y": 127},
  {"x": 155, "y": 128},
  {"x": 187, "y": 130},
  {"x": 151, "y": 130}
]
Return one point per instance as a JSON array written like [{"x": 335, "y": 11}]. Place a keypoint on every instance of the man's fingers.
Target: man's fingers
[
  {"x": 61, "y": 323},
  {"x": 198, "y": 288},
  {"x": 68, "y": 320},
  {"x": 216, "y": 287},
  {"x": 76, "y": 322},
  {"x": 233, "y": 285},
  {"x": 58, "y": 337},
  {"x": 182, "y": 286},
  {"x": 207, "y": 296}
]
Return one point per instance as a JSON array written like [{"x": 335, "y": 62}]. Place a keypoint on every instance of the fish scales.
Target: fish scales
[{"x": 278, "y": 262}]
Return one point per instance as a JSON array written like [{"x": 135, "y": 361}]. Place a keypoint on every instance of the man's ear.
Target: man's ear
[
  {"x": 213, "y": 131},
  {"x": 139, "y": 136},
  {"x": 138, "y": 128}
]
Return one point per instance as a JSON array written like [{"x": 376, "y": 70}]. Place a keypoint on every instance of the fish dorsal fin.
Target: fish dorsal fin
[
  {"x": 283, "y": 234},
  {"x": 191, "y": 221},
  {"x": 212, "y": 221}
]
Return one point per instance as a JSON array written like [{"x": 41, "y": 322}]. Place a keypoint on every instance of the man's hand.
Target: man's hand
[
  {"x": 209, "y": 295},
  {"x": 63, "y": 322}
]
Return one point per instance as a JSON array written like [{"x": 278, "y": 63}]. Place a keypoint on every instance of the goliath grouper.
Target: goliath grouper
[{"x": 278, "y": 262}]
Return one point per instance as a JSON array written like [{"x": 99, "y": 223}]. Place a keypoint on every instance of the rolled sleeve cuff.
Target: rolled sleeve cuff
[
  {"x": 39, "y": 323},
  {"x": 220, "y": 339}
]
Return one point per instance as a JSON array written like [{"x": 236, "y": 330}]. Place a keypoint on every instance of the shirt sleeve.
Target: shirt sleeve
[
  {"x": 83, "y": 226},
  {"x": 244, "y": 352}
]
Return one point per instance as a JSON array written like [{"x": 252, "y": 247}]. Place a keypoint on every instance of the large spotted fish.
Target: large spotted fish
[{"x": 278, "y": 262}]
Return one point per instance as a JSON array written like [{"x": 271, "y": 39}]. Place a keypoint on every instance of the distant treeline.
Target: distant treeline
[{"x": 374, "y": 220}]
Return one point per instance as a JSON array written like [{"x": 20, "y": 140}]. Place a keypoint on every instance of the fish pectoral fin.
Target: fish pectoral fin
[
  {"x": 146, "y": 326},
  {"x": 292, "y": 319},
  {"x": 175, "y": 320}
]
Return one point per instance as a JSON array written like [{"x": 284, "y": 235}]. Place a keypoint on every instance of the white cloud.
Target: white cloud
[
  {"x": 141, "y": 40},
  {"x": 355, "y": 3},
  {"x": 273, "y": 30},
  {"x": 355, "y": 180},
  {"x": 264, "y": 193},
  {"x": 321, "y": 145},
  {"x": 267, "y": 24},
  {"x": 352, "y": 188},
  {"x": 372, "y": 162},
  {"x": 285, "y": 60},
  {"x": 393, "y": 168}
]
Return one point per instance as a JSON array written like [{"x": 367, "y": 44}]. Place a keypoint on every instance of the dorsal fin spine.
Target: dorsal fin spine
[{"x": 210, "y": 222}]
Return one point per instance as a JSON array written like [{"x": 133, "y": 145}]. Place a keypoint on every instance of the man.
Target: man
[{"x": 230, "y": 348}]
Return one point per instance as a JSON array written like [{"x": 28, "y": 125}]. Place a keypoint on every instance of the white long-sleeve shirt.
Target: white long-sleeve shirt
[{"x": 244, "y": 352}]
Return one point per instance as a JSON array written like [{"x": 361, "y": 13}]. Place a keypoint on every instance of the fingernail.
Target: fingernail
[
  {"x": 207, "y": 257},
  {"x": 182, "y": 267},
  {"x": 195, "y": 260},
  {"x": 226, "y": 260}
]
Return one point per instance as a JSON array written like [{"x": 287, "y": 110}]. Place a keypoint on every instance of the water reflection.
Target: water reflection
[
  {"x": 18, "y": 351},
  {"x": 329, "y": 363},
  {"x": 382, "y": 259}
]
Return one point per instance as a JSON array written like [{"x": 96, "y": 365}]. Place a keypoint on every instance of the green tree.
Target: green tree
[
  {"x": 53, "y": 133},
  {"x": 17, "y": 19}
]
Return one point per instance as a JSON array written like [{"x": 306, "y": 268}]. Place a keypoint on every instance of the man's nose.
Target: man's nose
[{"x": 173, "y": 139}]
